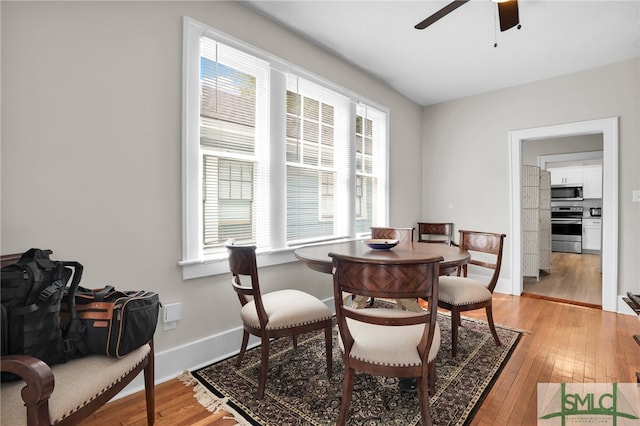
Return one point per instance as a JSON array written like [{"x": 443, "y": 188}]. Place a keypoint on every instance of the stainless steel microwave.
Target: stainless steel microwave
[{"x": 566, "y": 192}]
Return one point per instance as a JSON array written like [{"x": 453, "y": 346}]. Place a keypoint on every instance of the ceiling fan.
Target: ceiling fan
[{"x": 507, "y": 11}]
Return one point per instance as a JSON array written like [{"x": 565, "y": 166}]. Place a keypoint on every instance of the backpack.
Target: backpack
[{"x": 31, "y": 295}]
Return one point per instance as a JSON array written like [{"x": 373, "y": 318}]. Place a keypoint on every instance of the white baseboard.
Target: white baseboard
[
  {"x": 172, "y": 362},
  {"x": 502, "y": 286},
  {"x": 623, "y": 308}
]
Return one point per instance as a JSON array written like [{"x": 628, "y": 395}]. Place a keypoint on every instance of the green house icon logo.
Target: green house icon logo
[{"x": 588, "y": 403}]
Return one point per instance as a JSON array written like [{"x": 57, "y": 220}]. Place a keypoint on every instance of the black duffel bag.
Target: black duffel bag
[{"x": 116, "y": 322}]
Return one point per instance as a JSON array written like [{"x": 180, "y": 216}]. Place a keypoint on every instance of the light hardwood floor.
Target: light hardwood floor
[
  {"x": 565, "y": 343},
  {"x": 574, "y": 277}
]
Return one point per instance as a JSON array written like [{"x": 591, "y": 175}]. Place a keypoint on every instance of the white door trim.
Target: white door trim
[{"x": 609, "y": 129}]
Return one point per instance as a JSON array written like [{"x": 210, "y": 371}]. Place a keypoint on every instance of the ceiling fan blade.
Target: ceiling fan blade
[
  {"x": 441, "y": 13},
  {"x": 508, "y": 12}
]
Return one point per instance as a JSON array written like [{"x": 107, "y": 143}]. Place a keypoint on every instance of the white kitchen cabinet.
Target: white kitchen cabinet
[
  {"x": 566, "y": 175},
  {"x": 592, "y": 181},
  {"x": 591, "y": 234}
]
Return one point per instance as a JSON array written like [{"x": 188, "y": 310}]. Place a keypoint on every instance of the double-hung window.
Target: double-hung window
[
  {"x": 318, "y": 143},
  {"x": 273, "y": 156},
  {"x": 232, "y": 143}
]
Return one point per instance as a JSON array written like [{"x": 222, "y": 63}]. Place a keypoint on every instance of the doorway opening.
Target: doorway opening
[
  {"x": 570, "y": 251},
  {"x": 609, "y": 129}
]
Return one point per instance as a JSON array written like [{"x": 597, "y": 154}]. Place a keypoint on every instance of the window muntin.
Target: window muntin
[
  {"x": 311, "y": 172},
  {"x": 370, "y": 154},
  {"x": 267, "y": 163},
  {"x": 229, "y": 104}
]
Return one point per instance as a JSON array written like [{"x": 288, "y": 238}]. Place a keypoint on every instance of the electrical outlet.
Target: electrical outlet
[{"x": 171, "y": 313}]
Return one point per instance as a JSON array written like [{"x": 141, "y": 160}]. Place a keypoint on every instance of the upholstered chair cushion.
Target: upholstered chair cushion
[
  {"x": 77, "y": 382},
  {"x": 389, "y": 345},
  {"x": 462, "y": 291},
  {"x": 300, "y": 308}
]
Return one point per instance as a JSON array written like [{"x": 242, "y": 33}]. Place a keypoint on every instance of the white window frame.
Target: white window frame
[{"x": 194, "y": 263}]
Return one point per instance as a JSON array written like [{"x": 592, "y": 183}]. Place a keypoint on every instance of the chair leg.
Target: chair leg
[
  {"x": 432, "y": 377},
  {"x": 264, "y": 366},
  {"x": 455, "y": 323},
  {"x": 328, "y": 347},
  {"x": 243, "y": 347},
  {"x": 423, "y": 402},
  {"x": 149, "y": 387},
  {"x": 295, "y": 341},
  {"x": 347, "y": 389},
  {"x": 489, "y": 311}
]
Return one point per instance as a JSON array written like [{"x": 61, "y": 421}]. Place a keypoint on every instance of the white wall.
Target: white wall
[
  {"x": 90, "y": 149},
  {"x": 471, "y": 187},
  {"x": 91, "y": 116},
  {"x": 570, "y": 144}
]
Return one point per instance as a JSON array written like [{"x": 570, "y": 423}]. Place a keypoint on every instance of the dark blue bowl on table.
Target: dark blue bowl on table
[{"x": 381, "y": 244}]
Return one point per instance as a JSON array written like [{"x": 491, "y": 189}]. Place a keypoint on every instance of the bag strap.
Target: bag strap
[
  {"x": 101, "y": 294},
  {"x": 38, "y": 255},
  {"x": 73, "y": 339},
  {"x": 58, "y": 282}
]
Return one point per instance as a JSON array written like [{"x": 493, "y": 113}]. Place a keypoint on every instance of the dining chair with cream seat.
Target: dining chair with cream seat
[
  {"x": 432, "y": 232},
  {"x": 385, "y": 341},
  {"x": 405, "y": 238},
  {"x": 403, "y": 235},
  {"x": 281, "y": 313},
  {"x": 461, "y": 293}
]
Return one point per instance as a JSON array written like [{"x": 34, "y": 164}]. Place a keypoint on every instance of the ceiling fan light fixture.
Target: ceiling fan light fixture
[{"x": 507, "y": 11}]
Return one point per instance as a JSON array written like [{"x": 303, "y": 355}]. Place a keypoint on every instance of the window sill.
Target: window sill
[{"x": 215, "y": 266}]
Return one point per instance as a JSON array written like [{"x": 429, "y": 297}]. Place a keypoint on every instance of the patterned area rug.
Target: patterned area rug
[{"x": 298, "y": 391}]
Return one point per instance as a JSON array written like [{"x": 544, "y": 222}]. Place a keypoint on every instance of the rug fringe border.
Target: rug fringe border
[
  {"x": 209, "y": 401},
  {"x": 215, "y": 403}
]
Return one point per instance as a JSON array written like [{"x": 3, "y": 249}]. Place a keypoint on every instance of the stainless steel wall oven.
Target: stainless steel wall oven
[{"x": 566, "y": 229}]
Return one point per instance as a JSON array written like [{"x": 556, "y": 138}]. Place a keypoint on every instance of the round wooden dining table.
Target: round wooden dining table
[{"x": 317, "y": 257}]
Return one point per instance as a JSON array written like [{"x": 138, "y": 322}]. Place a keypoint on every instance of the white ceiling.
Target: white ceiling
[{"x": 456, "y": 57}]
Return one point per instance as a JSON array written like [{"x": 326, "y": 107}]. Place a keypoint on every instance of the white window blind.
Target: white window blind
[
  {"x": 272, "y": 155},
  {"x": 233, "y": 117},
  {"x": 317, "y": 138},
  {"x": 371, "y": 164}
]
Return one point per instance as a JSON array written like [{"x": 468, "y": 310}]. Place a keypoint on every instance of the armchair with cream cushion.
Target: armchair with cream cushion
[{"x": 65, "y": 394}]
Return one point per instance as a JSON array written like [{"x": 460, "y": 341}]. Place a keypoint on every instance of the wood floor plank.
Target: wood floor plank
[
  {"x": 565, "y": 342},
  {"x": 575, "y": 277}
]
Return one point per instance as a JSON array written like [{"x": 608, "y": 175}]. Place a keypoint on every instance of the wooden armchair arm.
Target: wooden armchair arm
[{"x": 39, "y": 383}]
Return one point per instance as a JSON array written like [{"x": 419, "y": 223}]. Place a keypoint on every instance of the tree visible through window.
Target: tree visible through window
[
  {"x": 228, "y": 143},
  {"x": 271, "y": 157}
]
